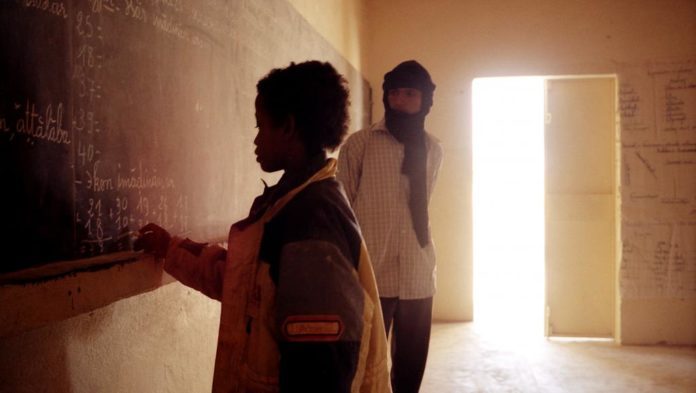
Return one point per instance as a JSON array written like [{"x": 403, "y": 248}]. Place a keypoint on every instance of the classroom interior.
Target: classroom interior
[{"x": 590, "y": 287}]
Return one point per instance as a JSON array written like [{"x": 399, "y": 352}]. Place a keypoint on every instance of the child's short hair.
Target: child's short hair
[{"x": 316, "y": 95}]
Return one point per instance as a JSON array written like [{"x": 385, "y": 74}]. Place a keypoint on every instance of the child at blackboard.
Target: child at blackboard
[{"x": 300, "y": 310}]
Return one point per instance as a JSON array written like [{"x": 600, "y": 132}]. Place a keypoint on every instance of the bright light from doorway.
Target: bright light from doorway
[{"x": 508, "y": 203}]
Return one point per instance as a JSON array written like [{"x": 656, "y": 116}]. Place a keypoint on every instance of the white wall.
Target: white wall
[
  {"x": 159, "y": 341},
  {"x": 341, "y": 22},
  {"x": 458, "y": 40},
  {"x": 169, "y": 334}
]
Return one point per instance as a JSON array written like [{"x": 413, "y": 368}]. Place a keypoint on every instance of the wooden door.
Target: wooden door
[{"x": 580, "y": 207}]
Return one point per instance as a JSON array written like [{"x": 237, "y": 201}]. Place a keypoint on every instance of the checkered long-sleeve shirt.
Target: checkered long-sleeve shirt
[{"x": 369, "y": 166}]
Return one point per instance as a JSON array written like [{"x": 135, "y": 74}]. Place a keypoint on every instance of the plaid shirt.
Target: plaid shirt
[{"x": 369, "y": 166}]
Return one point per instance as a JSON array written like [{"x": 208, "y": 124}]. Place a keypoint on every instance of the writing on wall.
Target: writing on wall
[{"x": 657, "y": 103}]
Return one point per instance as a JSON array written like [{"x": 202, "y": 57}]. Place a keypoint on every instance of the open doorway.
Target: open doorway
[
  {"x": 508, "y": 205},
  {"x": 544, "y": 206}
]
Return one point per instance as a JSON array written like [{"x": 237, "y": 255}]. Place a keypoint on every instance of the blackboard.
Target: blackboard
[{"x": 115, "y": 113}]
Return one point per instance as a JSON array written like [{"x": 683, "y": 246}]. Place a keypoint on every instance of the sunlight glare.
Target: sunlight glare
[{"x": 508, "y": 205}]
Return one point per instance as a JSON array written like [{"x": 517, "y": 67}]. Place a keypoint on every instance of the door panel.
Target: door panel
[{"x": 580, "y": 207}]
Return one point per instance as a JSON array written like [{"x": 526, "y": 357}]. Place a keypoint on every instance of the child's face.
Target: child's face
[
  {"x": 405, "y": 100},
  {"x": 271, "y": 147}
]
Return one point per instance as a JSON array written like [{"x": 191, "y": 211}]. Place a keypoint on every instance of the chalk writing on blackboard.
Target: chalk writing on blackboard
[
  {"x": 115, "y": 113},
  {"x": 32, "y": 123}
]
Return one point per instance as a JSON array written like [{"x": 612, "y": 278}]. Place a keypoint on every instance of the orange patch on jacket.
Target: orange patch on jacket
[{"x": 312, "y": 328}]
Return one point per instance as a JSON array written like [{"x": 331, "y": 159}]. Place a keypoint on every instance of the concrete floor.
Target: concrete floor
[{"x": 467, "y": 358}]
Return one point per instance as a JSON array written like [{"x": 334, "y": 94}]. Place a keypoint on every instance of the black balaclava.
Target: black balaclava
[{"x": 410, "y": 131}]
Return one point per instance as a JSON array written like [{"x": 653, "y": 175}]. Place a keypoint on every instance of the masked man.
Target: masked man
[{"x": 388, "y": 171}]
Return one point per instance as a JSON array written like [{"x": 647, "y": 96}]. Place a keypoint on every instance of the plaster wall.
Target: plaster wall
[
  {"x": 160, "y": 341},
  {"x": 341, "y": 22},
  {"x": 73, "y": 334},
  {"x": 459, "y": 40},
  {"x": 164, "y": 340}
]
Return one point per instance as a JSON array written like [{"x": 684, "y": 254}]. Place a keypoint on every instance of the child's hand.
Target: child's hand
[{"x": 153, "y": 239}]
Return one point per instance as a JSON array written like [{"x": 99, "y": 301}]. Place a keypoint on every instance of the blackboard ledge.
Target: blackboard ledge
[
  {"x": 56, "y": 270},
  {"x": 37, "y": 297}
]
